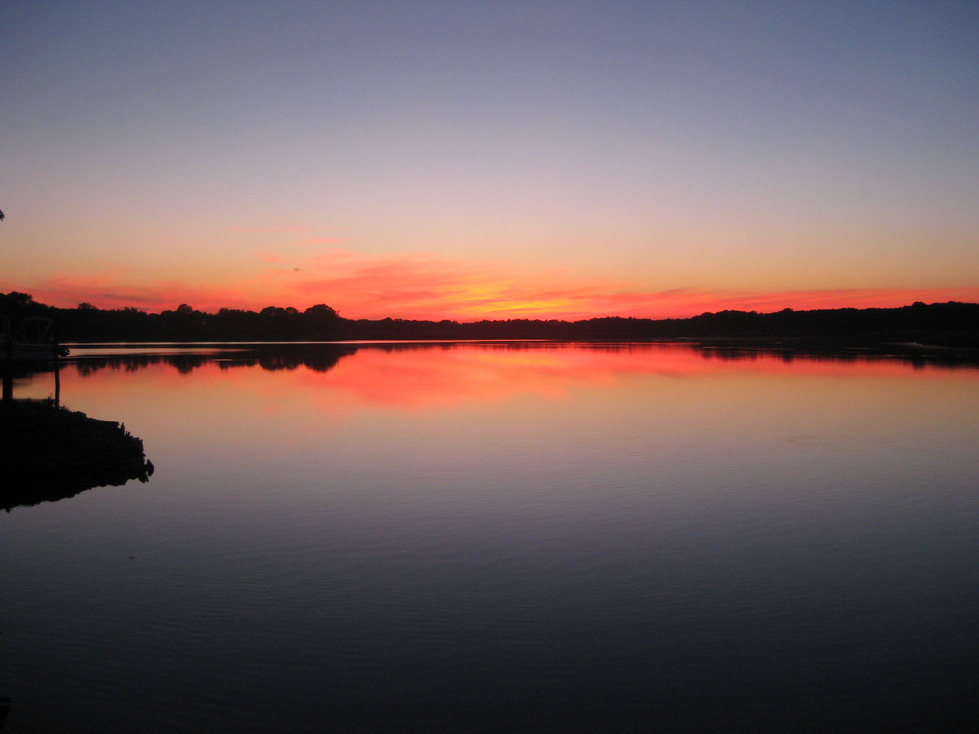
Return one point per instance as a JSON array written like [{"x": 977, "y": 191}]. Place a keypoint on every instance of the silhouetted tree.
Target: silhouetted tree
[
  {"x": 321, "y": 313},
  {"x": 321, "y": 321}
]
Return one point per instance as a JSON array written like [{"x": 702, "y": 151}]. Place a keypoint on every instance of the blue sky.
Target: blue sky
[{"x": 469, "y": 159}]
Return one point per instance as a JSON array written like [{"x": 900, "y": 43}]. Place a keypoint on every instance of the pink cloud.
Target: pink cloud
[
  {"x": 427, "y": 287},
  {"x": 423, "y": 286},
  {"x": 109, "y": 290}
]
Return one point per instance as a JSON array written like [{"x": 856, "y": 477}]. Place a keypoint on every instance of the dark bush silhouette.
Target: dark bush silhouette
[{"x": 51, "y": 453}]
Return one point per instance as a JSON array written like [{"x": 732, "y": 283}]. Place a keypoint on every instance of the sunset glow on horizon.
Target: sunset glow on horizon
[
  {"x": 425, "y": 288},
  {"x": 472, "y": 160}
]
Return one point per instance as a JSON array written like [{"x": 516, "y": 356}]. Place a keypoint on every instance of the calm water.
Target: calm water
[{"x": 503, "y": 538}]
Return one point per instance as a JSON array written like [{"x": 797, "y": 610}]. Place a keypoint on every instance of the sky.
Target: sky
[{"x": 470, "y": 160}]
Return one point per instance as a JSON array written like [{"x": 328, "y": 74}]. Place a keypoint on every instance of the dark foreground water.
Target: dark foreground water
[{"x": 503, "y": 538}]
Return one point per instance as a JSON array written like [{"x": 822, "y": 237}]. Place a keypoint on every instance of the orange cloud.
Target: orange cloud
[
  {"x": 419, "y": 286},
  {"x": 423, "y": 286},
  {"x": 110, "y": 290}
]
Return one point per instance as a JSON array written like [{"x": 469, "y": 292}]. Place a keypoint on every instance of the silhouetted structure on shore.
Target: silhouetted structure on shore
[{"x": 951, "y": 324}]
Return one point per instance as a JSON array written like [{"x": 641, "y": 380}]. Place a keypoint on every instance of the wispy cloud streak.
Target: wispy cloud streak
[{"x": 424, "y": 286}]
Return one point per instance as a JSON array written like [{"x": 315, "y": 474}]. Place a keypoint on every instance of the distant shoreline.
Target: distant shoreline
[
  {"x": 766, "y": 342},
  {"x": 919, "y": 326}
]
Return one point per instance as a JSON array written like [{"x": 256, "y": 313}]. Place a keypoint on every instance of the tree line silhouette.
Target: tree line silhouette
[{"x": 951, "y": 324}]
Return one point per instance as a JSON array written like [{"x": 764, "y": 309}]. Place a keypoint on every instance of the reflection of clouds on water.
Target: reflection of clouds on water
[
  {"x": 666, "y": 356},
  {"x": 421, "y": 376}
]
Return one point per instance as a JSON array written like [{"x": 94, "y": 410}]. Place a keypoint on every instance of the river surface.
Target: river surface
[{"x": 503, "y": 537}]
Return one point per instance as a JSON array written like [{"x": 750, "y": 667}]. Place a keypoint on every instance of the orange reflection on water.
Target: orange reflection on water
[
  {"x": 429, "y": 377},
  {"x": 432, "y": 377},
  {"x": 587, "y": 400}
]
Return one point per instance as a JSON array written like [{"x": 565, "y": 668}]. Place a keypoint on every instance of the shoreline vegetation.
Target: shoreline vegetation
[
  {"x": 952, "y": 325},
  {"x": 51, "y": 453}
]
